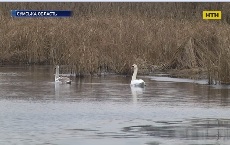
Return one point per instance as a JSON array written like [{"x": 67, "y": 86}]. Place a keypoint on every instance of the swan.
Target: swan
[
  {"x": 60, "y": 78},
  {"x": 135, "y": 81}
]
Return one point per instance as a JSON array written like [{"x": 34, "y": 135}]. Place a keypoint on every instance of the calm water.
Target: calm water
[{"x": 106, "y": 111}]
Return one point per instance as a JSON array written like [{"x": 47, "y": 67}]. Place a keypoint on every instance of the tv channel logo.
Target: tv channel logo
[{"x": 212, "y": 15}]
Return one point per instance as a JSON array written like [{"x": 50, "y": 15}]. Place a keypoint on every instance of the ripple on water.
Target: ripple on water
[
  {"x": 189, "y": 129},
  {"x": 37, "y": 111}
]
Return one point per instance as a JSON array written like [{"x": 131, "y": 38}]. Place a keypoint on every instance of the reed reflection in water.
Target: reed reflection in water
[{"x": 101, "y": 110}]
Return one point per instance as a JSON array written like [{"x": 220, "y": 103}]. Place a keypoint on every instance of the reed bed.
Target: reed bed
[{"x": 110, "y": 37}]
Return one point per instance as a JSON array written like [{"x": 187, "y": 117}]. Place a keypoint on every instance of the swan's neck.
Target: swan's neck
[
  {"x": 57, "y": 72},
  {"x": 134, "y": 77}
]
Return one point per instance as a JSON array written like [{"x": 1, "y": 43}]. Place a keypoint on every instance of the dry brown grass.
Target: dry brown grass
[{"x": 113, "y": 36}]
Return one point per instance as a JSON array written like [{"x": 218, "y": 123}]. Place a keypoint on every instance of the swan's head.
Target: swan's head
[{"x": 134, "y": 66}]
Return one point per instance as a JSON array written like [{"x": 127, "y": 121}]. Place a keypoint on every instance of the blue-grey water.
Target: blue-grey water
[{"x": 34, "y": 110}]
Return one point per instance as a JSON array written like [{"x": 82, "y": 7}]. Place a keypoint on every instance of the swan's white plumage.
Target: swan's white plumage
[
  {"x": 61, "y": 78},
  {"x": 135, "y": 81},
  {"x": 139, "y": 82}
]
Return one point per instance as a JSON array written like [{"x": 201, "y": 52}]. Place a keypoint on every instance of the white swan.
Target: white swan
[
  {"x": 59, "y": 78},
  {"x": 134, "y": 81}
]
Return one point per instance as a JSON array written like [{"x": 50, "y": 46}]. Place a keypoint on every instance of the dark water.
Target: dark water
[{"x": 106, "y": 111}]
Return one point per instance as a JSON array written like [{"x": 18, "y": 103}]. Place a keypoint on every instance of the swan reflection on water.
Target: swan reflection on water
[
  {"x": 62, "y": 91},
  {"x": 137, "y": 92}
]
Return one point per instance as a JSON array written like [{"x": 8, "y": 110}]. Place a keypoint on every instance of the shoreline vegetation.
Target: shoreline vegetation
[{"x": 110, "y": 37}]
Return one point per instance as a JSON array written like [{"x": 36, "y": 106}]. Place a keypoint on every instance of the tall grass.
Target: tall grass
[{"x": 113, "y": 36}]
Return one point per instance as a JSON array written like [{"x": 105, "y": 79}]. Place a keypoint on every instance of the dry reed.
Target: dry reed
[{"x": 112, "y": 36}]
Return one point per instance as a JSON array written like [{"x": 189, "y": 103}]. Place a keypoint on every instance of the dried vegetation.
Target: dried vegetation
[{"x": 112, "y": 36}]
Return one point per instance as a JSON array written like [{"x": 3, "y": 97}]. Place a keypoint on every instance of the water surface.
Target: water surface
[{"x": 105, "y": 110}]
